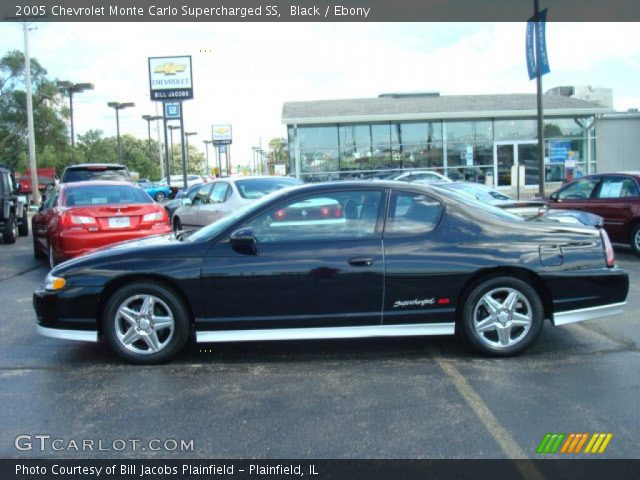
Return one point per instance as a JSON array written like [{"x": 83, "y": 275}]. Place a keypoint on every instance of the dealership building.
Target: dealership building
[{"x": 466, "y": 137}]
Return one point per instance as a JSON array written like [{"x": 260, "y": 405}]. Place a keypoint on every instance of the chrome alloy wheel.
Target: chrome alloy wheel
[
  {"x": 144, "y": 324},
  {"x": 636, "y": 240},
  {"x": 502, "y": 317}
]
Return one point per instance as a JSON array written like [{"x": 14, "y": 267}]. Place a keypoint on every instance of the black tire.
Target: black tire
[
  {"x": 177, "y": 225},
  {"x": 634, "y": 239},
  {"x": 160, "y": 196},
  {"x": 53, "y": 260},
  {"x": 9, "y": 232},
  {"x": 37, "y": 249},
  {"x": 501, "y": 326},
  {"x": 23, "y": 228},
  {"x": 114, "y": 323}
]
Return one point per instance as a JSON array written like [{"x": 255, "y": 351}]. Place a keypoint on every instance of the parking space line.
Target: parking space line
[{"x": 502, "y": 437}]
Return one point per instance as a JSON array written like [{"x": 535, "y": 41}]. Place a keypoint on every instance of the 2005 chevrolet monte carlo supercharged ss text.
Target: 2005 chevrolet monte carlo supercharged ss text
[{"x": 338, "y": 260}]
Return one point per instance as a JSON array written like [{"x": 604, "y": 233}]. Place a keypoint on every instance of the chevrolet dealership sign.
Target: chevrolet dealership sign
[
  {"x": 221, "y": 134},
  {"x": 170, "y": 78}
]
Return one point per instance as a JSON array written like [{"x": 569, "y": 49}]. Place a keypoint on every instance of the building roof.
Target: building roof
[{"x": 430, "y": 106}]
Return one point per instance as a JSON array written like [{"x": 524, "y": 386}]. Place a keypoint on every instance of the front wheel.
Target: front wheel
[
  {"x": 635, "y": 239},
  {"x": 177, "y": 225},
  {"x": 23, "y": 228},
  {"x": 502, "y": 316},
  {"x": 146, "y": 323},
  {"x": 9, "y": 232}
]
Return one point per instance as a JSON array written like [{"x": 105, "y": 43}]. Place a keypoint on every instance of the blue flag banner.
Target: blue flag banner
[
  {"x": 531, "y": 59},
  {"x": 540, "y": 45}
]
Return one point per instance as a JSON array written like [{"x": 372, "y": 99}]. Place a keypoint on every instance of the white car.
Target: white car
[
  {"x": 217, "y": 199},
  {"x": 178, "y": 180}
]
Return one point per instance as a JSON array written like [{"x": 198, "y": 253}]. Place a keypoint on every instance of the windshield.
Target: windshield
[
  {"x": 104, "y": 195},
  {"x": 219, "y": 226},
  {"x": 253, "y": 188},
  {"x": 477, "y": 204}
]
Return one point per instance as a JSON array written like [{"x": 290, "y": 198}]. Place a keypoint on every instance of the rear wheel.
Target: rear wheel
[
  {"x": 635, "y": 239},
  {"x": 9, "y": 232},
  {"x": 37, "y": 249},
  {"x": 23, "y": 228},
  {"x": 502, "y": 316},
  {"x": 177, "y": 225},
  {"x": 53, "y": 260},
  {"x": 160, "y": 196},
  {"x": 146, "y": 323}
]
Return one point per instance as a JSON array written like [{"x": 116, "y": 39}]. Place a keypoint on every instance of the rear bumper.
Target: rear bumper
[
  {"x": 75, "y": 243},
  {"x": 590, "y": 313}
]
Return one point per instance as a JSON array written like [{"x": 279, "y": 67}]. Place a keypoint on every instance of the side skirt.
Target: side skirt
[
  {"x": 326, "y": 332},
  {"x": 590, "y": 313}
]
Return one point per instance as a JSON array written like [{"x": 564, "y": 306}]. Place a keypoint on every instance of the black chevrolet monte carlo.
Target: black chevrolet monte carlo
[{"x": 338, "y": 260}]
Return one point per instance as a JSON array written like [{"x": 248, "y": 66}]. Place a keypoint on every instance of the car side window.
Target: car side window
[
  {"x": 339, "y": 215},
  {"x": 202, "y": 196},
  {"x": 219, "y": 192},
  {"x": 412, "y": 213},
  {"x": 579, "y": 190},
  {"x": 618, "y": 187}
]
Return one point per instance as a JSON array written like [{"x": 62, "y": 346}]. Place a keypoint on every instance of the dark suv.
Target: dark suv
[
  {"x": 95, "y": 171},
  {"x": 13, "y": 209},
  {"x": 613, "y": 196}
]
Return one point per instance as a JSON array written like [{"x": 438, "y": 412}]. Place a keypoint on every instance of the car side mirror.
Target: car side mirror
[
  {"x": 186, "y": 202},
  {"x": 244, "y": 241},
  {"x": 554, "y": 197}
]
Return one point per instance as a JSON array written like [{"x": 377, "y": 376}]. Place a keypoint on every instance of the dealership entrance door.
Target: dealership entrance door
[{"x": 509, "y": 154}]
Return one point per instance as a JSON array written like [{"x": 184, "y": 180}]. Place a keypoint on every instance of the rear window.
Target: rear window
[
  {"x": 104, "y": 195},
  {"x": 118, "y": 174},
  {"x": 253, "y": 188}
]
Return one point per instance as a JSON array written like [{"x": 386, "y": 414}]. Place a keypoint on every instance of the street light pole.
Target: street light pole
[
  {"x": 117, "y": 106},
  {"x": 186, "y": 139},
  {"x": 206, "y": 149},
  {"x": 71, "y": 88},
  {"x": 149, "y": 119}
]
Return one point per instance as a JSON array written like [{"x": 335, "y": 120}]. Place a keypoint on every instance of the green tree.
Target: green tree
[{"x": 49, "y": 113}]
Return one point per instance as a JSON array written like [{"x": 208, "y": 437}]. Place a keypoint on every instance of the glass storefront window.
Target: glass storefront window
[
  {"x": 514, "y": 130},
  {"x": 422, "y": 156},
  {"x": 460, "y": 132},
  {"x": 381, "y": 134},
  {"x": 420, "y": 133},
  {"x": 318, "y": 137},
  {"x": 562, "y": 127}
]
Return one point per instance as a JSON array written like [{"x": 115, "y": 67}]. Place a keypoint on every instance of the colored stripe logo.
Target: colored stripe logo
[{"x": 573, "y": 443}]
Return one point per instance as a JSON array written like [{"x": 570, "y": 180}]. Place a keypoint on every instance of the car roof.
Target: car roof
[
  {"x": 94, "y": 165},
  {"x": 93, "y": 183}
]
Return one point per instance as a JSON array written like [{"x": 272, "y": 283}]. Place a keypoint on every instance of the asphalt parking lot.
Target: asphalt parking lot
[{"x": 394, "y": 398}]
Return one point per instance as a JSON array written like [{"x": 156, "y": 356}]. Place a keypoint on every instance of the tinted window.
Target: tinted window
[
  {"x": 618, "y": 187},
  {"x": 219, "y": 192},
  {"x": 252, "y": 188},
  {"x": 104, "y": 195},
  {"x": 579, "y": 190},
  {"x": 412, "y": 213},
  {"x": 326, "y": 216},
  {"x": 79, "y": 175}
]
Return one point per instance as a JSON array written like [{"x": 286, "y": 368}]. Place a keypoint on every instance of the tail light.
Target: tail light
[
  {"x": 69, "y": 220},
  {"x": 156, "y": 217},
  {"x": 608, "y": 248},
  {"x": 280, "y": 215}
]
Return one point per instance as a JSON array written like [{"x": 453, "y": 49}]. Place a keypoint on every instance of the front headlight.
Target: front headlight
[{"x": 54, "y": 284}]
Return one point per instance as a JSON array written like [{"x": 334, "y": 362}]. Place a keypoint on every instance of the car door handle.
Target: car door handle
[{"x": 361, "y": 262}]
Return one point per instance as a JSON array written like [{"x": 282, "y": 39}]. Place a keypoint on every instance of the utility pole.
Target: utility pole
[
  {"x": 117, "y": 106},
  {"x": 541, "y": 166},
  {"x": 206, "y": 149},
  {"x": 32, "y": 141}
]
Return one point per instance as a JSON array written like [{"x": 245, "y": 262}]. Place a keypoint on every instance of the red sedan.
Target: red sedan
[{"x": 79, "y": 217}]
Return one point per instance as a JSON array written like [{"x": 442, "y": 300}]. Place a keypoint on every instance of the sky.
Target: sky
[{"x": 243, "y": 72}]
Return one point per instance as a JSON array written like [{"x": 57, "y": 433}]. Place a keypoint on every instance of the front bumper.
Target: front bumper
[
  {"x": 80, "y": 335},
  {"x": 78, "y": 242},
  {"x": 74, "y": 309}
]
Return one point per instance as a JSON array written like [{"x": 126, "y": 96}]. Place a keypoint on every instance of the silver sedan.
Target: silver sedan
[{"x": 221, "y": 197}]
